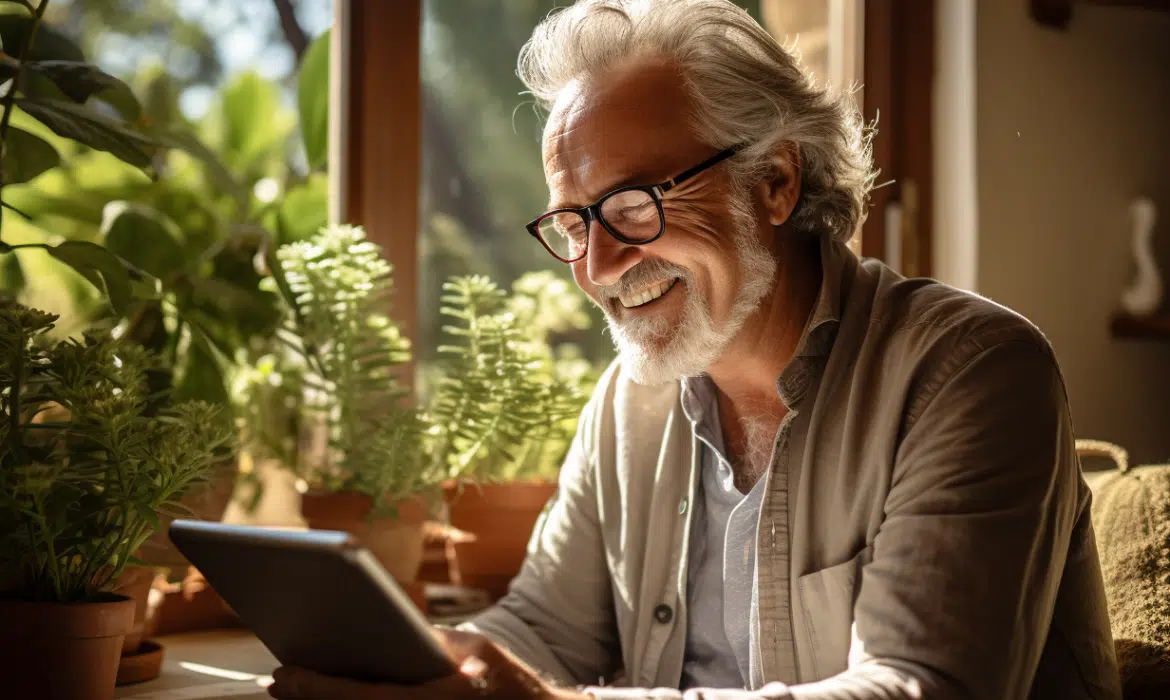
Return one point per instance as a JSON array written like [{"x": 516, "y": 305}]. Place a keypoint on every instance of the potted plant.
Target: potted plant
[
  {"x": 227, "y": 191},
  {"x": 540, "y": 386},
  {"x": 78, "y": 495},
  {"x": 359, "y": 441},
  {"x": 56, "y": 109},
  {"x": 499, "y": 405}
]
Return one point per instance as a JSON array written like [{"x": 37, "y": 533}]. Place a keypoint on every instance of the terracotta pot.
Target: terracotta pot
[
  {"x": 143, "y": 665},
  {"x": 501, "y": 516},
  {"x": 135, "y": 583},
  {"x": 180, "y": 612},
  {"x": 63, "y": 651},
  {"x": 397, "y": 542}
]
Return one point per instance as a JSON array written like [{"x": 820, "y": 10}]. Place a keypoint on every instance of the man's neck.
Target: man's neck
[{"x": 750, "y": 409}]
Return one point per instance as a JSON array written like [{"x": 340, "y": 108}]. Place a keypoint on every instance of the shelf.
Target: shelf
[{"x": 1130, "y": 327}]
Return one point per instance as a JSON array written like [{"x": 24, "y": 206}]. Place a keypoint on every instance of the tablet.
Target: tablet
[{"x": 317, "y": 599}]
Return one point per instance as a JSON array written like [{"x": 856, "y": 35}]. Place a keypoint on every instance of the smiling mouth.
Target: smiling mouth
[{"x": 647, "y": 295}]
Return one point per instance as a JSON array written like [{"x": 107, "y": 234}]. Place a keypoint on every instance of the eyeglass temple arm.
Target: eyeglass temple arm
[{"x": 717, "y": 158}]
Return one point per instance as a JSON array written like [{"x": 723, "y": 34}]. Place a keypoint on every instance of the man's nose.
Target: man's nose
[{"x": 608, "y": 258}]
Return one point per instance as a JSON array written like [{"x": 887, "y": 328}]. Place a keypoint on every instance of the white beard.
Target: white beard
[{"x": 654, "y": 350}]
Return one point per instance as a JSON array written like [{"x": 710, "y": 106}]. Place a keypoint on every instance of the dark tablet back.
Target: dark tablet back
[{"x": 317, "y": 600}]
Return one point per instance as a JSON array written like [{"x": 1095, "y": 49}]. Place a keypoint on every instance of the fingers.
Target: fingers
[
  {"x": 298, "y": 684},
  {"x": 461, "y": 645},
  {"x": 490, "y": 670},
  {"x": 193, "y": 582}
]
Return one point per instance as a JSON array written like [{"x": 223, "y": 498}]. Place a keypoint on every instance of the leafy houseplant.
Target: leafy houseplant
[
  {"x": 338, "y": 289},
  {"x": 330, "y": 405},
  {"x": 520, "y": 394},
  {"x": 228, "y": 190},
  {"x": 84, "y": 472},
  {"x": 72, "y": 139}
]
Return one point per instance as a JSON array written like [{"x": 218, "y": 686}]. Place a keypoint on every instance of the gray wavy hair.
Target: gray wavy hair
[{"x": 746, "y": 89}]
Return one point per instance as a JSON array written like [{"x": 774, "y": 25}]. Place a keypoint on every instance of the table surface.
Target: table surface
[
  {"x": 218, "y": 664},
  {"x": 227, "y": 663}
]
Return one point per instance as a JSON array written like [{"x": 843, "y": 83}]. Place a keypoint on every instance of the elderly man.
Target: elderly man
[{"x": 805, "y": 476}]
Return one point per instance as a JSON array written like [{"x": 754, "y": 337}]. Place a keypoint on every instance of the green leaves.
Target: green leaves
[
  {"x": 500, "y": 404},
  {"x": 218, "y": 173},
  {"x": 102, "y": 268},
  {"x": 144, "y": 237},
  {"x": 313, "y": 100},
  {"x": 73, "y": 80},
  {"x": 92, "y": 480},
  {"x": 81, "y": 81},
  {"x": 147, "y": 513},
  {"x": 92, "y": 129},
  {"x": 305, "y": 209},
  {"x": 55, "y": 82},
  {"x": 248, "y": 107},
  {"x": 11, "y": 273},
  {"x": 49, "y": 44},
  {"x": 336, "y": 288},
  {"x": 26, "y": 156},
  {"x": 160, "y": 97}
]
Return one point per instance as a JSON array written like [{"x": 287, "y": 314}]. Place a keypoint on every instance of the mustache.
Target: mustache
[{"x": 642, "y": 275}]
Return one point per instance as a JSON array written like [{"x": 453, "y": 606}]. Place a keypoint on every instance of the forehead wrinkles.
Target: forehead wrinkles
[
  {"x": 558, "y": 170},
  {"x": 587, "y": 153},
  {"x": 603, "y": 131}
]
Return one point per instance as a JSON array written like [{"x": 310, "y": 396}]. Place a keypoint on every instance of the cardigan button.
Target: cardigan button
[
  {"x": 663, "y": 613},
  {"x": 682, "y": 507}
]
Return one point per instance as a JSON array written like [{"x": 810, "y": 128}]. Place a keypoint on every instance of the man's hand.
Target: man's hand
[{"x": 484, "y": 671}]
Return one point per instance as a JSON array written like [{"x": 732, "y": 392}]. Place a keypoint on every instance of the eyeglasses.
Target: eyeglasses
[{"x": 632, "y": 215}]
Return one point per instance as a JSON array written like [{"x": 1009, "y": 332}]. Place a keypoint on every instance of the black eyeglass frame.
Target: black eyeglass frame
[{"x": 593, "y": 211}]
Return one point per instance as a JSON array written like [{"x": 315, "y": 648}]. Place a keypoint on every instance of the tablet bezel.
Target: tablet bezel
[{"x": 378, "y": 637}]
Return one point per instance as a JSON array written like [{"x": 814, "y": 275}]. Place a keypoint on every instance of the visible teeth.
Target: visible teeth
[{"x": 646, "y": 295}]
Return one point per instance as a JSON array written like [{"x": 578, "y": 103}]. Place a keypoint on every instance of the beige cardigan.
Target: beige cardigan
[{"x": 925, "y": 531}]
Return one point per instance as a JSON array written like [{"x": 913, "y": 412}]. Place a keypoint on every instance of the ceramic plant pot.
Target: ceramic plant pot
[
  {"x": 63, "y": 651},
  {"x": 397, "y": 542},
  {"x": 501, "y": 517}
]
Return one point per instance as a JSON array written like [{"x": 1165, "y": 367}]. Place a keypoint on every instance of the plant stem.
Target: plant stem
[
  {"x": 53, "y": 562},
  {"x": 14, "y": 400},
  {"x": 39, "y": 569},
  {"x": 10, "y": 98}
]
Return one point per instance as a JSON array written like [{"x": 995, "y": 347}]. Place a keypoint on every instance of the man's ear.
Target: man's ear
[{"x": 780, "y": 188}]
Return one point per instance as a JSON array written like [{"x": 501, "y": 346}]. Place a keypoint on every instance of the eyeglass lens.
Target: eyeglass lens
[{"x": 632, "y": 213}]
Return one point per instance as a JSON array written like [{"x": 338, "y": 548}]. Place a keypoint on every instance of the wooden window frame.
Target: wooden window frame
[
  {"x": 376, "y": 136},
  {"x": 899, "y": 81}
]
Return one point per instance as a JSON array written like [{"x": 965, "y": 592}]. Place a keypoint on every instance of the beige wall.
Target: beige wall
[{"x": 1070, "y": 126}]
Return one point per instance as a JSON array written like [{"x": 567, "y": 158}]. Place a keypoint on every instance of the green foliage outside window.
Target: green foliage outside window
[{"x": 202, "y": 228}]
